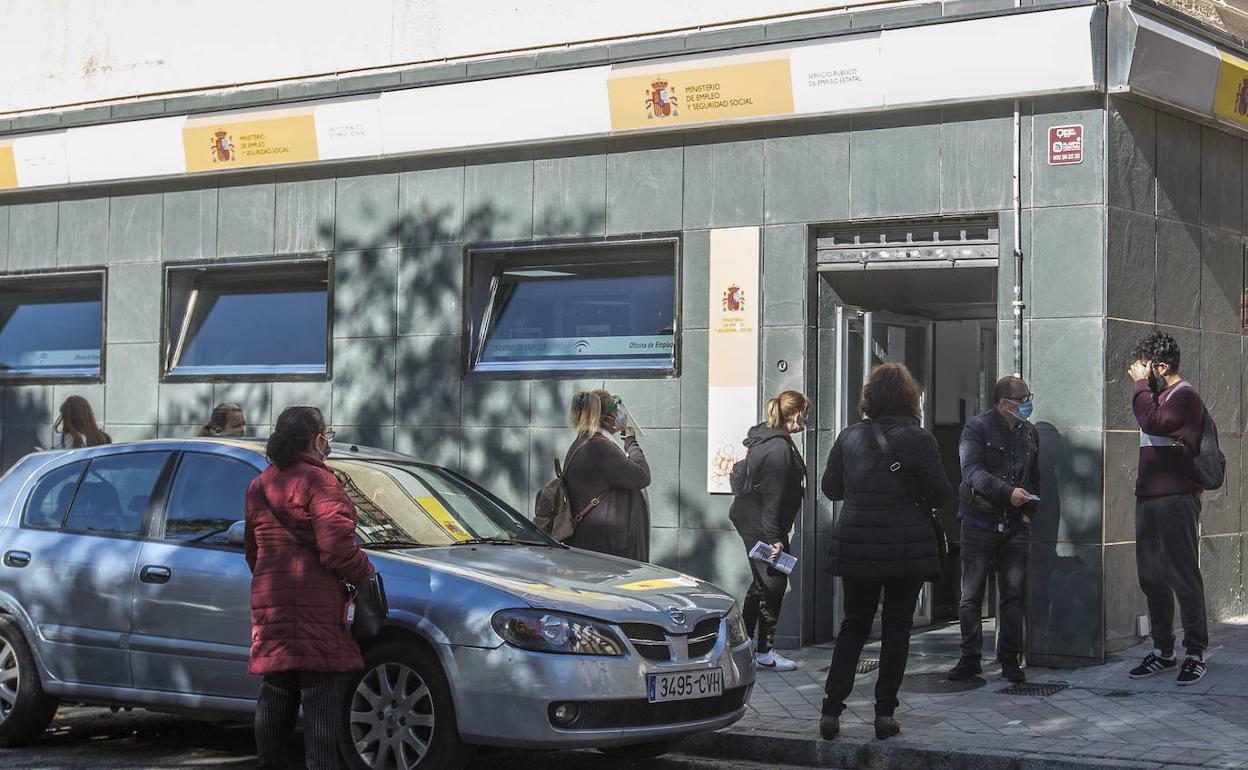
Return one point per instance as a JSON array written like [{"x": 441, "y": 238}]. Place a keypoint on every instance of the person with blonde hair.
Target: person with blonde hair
[
  {"x": 765, "y": 512},
  {"x": 605, "y": 482},
  {"x": 77, "y": 426}
]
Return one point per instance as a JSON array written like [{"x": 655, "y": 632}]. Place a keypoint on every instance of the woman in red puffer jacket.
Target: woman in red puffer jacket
[{"x": 300, "y": 534}]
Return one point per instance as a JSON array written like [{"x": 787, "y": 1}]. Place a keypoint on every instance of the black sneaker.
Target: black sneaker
[
  {"x": 1155, "y": 665},
  {"x": 967, "y": 667},
  {"x": 1193, "y": 671}
]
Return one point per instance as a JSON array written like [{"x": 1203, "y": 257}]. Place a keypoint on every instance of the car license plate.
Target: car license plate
[{"x": 685, "y": 685}]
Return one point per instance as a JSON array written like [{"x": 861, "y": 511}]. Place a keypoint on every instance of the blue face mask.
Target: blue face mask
[{"x": 1024, "y": 410}]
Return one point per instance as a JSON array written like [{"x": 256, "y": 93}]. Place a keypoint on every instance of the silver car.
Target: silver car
[{"x": 123, "y": 583}]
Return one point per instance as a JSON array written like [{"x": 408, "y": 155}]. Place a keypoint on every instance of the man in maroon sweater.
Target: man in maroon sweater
[{"x": 1167, "y": 509}]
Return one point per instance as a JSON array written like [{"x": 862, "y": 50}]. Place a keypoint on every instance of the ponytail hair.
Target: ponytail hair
[
  {"x": 295, "y": 428},
  {"x": 785, "y": 407},
  {"x": 588, "y": 406},
  {"x": 219, "y": 421}
]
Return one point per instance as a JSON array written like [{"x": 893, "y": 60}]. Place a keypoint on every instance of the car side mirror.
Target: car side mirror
[{"x": 234, "y": 535}]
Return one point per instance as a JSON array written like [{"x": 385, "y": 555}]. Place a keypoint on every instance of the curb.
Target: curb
[{"x": 852, "y": 754}]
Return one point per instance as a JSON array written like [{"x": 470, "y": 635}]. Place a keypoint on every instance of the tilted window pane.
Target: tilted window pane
[
  {"x": 114, "y": 493},
  {"x": 206, "y": 498},
  {"x": 251, "y": 321},
  {"x": 582, "y": 316},
  {"x": 51, "y": 329}
]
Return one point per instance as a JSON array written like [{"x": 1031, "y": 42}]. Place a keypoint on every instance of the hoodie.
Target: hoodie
[{"x": 779, "y": 476}]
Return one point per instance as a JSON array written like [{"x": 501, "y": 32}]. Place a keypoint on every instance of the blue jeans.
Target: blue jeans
[{"x": 984, "y": 550}]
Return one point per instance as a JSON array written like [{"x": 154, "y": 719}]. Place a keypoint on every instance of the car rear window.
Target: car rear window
[{"x": 51, "y": 497}]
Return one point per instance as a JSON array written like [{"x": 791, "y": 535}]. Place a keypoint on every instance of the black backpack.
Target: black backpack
[
  {"x": 1210, "y": 461},
  {"x": 740, "y": 481}
]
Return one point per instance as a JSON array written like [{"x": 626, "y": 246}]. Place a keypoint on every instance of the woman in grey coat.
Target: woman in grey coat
[{"x": 597, "y": 469}]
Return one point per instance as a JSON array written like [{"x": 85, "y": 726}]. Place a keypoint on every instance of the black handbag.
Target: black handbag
[
  {"x": 894, "y": 466},
  {"x": 371, "y": 606}
]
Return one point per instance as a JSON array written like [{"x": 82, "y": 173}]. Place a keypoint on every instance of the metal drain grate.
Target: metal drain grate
[
  {"x": 1034, "y": 689},
  {"x": 867, "y": 665}
]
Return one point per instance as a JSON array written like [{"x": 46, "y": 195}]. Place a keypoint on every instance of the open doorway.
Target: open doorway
[{"x": 928, "y": 301}]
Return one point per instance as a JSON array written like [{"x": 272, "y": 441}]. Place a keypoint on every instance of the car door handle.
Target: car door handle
[
  {"x": 155, "y": 574},
  {"x": 16, "y": 558}
]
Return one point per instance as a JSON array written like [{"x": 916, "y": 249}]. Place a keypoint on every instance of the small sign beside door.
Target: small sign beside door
[{"x": 1065, "y": 145}]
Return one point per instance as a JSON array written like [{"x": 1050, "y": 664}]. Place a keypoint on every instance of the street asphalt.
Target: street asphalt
[{"x": 97, "y": 739}]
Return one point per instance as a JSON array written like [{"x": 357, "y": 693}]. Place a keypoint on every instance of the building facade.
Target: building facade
[{"x": 440, "y": 255}]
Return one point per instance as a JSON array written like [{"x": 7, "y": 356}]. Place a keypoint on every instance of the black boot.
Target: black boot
[
  {"x": 886, "y": 727},
  {"x": 829, "y": 726},
  {"x": 967, "y": 667},
  {"x": 1011, "y": 671}
]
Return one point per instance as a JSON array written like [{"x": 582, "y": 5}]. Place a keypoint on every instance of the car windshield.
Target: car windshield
[{"x": 401, "y": 504}]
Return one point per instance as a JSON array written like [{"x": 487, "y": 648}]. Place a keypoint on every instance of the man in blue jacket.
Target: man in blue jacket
[{"x": 999, "y": 452}]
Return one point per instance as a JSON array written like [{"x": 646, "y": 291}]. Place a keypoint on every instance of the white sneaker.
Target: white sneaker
[{"x": 774, "y": 661}]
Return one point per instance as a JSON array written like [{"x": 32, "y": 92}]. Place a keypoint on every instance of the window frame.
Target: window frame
[
  {"x": 168, "y": 368},
  {"x": 481, "y": 261},
  {"x": 53, "y": 277}
]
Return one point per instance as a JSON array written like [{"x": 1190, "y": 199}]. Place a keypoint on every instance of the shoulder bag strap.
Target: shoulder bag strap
[
  {"x": 894, "y": 464},
  {"x": 597, "y": 499}
]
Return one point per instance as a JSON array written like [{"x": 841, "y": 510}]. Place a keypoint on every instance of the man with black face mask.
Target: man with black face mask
[
  {"x": 1167, "y": 507},
  {"x": 999, "y": 452}
]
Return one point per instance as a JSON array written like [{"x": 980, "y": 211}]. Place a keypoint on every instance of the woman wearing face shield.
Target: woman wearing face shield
[
  {"x": 605, "y": 482},
  {"x": 766, "y": 513}
]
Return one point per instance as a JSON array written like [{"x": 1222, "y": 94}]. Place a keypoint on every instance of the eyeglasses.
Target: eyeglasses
[
  {"x": 1024, "y": 400},
  {"x": 329, "y": 434}
]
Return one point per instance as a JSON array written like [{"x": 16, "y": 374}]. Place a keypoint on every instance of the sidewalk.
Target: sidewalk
[{"x": 1094, "y": 717}]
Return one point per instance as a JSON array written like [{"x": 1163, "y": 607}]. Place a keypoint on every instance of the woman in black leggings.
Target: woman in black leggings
[
  {"x": 766, "y": 514},
  {"x": 887, "y": 470}
]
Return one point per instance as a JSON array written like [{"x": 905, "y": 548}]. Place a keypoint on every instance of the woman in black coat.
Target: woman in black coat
[
  {"x": 778, "y": 476},
  {"x": 884, "y": 543}
]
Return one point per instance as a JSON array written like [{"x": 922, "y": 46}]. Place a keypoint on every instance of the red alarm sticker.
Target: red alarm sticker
[{"x": 1065, "y": 145}]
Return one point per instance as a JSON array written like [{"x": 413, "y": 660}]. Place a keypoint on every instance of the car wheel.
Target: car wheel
[
  {"x": 25, "y": 709},
  {"x": 642, "y": 750},
  {"x": 400, "y": 715}
]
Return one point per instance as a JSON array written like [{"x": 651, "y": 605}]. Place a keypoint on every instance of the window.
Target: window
[
  {"x": 602, "y": 307},
  {"x": 206, "y": 498},
  {"x": 51, "y": 326},
  {"x": 248, "y": 321},
  {"x": 403, "y": 502},
  {"x": 114, "y": 493},
  {"x": 51, "y": 496}
]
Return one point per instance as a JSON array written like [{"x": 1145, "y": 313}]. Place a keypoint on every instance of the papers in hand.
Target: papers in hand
[{"x": 762, "y": 552}]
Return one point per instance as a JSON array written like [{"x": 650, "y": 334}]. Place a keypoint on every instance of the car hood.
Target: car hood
[{"x": 581, "y": 582}]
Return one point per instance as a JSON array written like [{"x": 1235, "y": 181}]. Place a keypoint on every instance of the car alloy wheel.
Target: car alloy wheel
[
  {"x": 10, "y": 679},
  {"x": 391, "y": 717}
]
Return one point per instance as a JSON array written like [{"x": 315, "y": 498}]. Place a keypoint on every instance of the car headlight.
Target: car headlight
[
  {"x": 736, "y": 628},
  {"x": 545, "y": 631}
]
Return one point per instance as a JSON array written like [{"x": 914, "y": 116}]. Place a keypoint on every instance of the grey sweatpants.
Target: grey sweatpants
[{"x": 1167, "y": 558}]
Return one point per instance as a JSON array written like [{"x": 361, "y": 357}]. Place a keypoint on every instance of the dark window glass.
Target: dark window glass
[
  {"x": 50, "y": 498},
  {"x": 602, "y": 315},
  {"x": 266, "y": 320},
  {"x": 206, "y": 498},
  {"x": 51, "y": 327},
  {"x": 114, "y": 493}
]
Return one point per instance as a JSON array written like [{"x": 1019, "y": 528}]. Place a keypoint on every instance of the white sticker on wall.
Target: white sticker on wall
[{"x": 40, "y": 159}]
